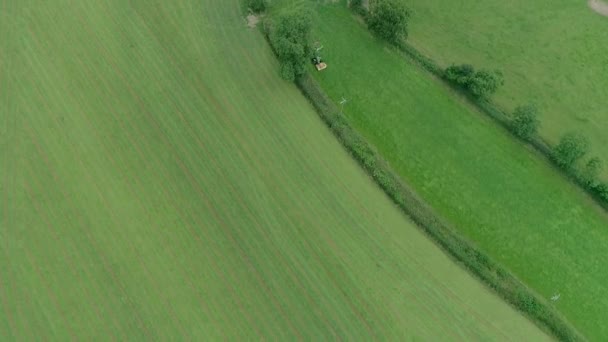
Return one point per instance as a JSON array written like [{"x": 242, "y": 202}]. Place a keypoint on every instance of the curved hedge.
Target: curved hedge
[
  {"x": 491, "y": 273},
  {"x": 505, "y": 284}
]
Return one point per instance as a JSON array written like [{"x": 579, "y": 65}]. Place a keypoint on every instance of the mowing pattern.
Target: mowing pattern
[
  {"x": 504, "y": 198},
  {"x": 159, "y": 181}
]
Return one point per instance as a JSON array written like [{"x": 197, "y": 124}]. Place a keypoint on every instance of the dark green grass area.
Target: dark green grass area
[
  {"x": 159, "y": 181},
  {"x": 499, "y": 194}
]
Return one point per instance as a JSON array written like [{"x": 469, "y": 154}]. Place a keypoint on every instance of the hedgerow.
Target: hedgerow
[
  {"x": 594, "y": 188},
  {"x": 491, "y": 273},
  {"x": 463, "y": 251}
]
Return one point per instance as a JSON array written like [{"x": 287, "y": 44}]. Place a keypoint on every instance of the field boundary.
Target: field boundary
[
  {"x": 465, "y": 253},
  {"x": 596, "y": 189},
  {"x": 500, "y": 117}
]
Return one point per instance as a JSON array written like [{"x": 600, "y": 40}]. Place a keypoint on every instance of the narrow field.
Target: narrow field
[
  {"x": 553, "y": 53},
  {"x": 499, "y": 194},
  {"x": 159, "y": 181}
]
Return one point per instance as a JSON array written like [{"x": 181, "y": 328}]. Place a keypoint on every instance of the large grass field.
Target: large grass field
[
  {"x": 496, "y": 191},
  {"x": 160, "y": 182},
  {"x": 553, "y": 53}
]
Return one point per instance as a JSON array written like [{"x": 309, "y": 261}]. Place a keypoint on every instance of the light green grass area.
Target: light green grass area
[
  {"x": 553, "y": 53},
  {"x": 498, "y": 193},
  {"x": 160, "y": 182}
]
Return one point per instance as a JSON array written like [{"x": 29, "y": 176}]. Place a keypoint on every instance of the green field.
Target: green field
[
  {"x": 160, "y": 182},
  {"x": 498, "y": 193},
  {"x": 553, "y": 53}
]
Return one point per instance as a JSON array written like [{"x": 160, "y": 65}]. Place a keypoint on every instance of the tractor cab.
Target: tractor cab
[
  {"x": 318, "y": 63},
  {"x": 316, "y": 59}
]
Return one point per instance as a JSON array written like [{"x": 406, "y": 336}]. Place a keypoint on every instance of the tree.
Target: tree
[
  {"x": 460, "y": 74},
  {"x": 570, "y": 149},
  {"x": 525, "y": 121},
  {"x": 357, "y": 7},
  {"x": 485, "y": 83},
  {"x": 389, "y": 19},
  {"x": 257, "y": 6},
  {"x": 480, "y": 84},
  {"x": 591, "y": 171},
  {"x": 290, "y": 40},
  {"x": 601, "y": 189}
]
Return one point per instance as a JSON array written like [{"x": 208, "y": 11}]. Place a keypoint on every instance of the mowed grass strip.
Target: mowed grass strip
[
  {"x": 499, "y": 194},
  {"x": 160, "y": 181},
  {"x": 552, "y": 53}
]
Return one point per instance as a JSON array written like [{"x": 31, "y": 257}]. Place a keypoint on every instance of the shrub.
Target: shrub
[
  {"x": 388, "y": 19},
  {"x": 257, "y": 6},
  {"x": 357, "y": 7},
  {"x": 525, "y": 121},
  {"x": 290, "y": 40},
  {"x": 601, "y": 190},
  {"x": 591, "y": 171},
  {"x": 480, "y": 84},
  {"x": 570, "y": 149},
  {"x": 460, "y": 74},
  {"x": 485, "y": 83}
]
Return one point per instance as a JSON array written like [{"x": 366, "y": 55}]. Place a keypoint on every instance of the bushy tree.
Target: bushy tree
[
  {"x": 525, "y": 121},
  {"x": 389, "y": 19},
  {"x": 485, "y": 83},
  {"x": 357, "y": 7},
  {"x": 570, "y": 149},
  {"x": 591, "y": 171},
  {"x": 257, "y": 6},
  {"x": 460, "y": 74},
  {"x": 601, "y": 189},
  {"x": 480, "y": 84},
  {"x": 290, "y": 38}
]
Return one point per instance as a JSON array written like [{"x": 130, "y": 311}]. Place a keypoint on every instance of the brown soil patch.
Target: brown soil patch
[
  {"x": 252, "y": 20},
  {"x": 599, "y": 7}
]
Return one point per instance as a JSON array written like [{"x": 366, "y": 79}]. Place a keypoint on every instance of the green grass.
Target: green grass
[
  {"x": 159, "y": 181},
  {"x": 551, "y": 52},
  {"x": 499, "y": 194}
]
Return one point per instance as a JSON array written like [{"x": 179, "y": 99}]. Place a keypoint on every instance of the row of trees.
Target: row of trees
[{"x": 569, "y": 154}]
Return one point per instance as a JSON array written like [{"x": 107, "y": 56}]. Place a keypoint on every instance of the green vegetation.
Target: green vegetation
[
  {"x": 552, "y": 53},
  {"x": 160, "y": 181},
  {"x": 289, "y": 35},
  {"x": 257, "y": 6},
  {"x": 570, "y": 149},
  {"x": 480, "y": 84},
  {"x": 388, "y": 19},
  {"x": 504, "y": 198},
  {"x": 491, "y": 273},
  {"x": 525, "y": 121}
]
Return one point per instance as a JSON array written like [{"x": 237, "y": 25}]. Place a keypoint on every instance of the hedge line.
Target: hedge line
[
  {"x": 501, "y": 117},
  {"x": 491, "y": 273}
]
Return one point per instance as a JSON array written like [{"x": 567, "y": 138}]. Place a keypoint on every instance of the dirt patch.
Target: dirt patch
[
  {"x": 252, "y": 20},
  {"x": 599, "y": 7}
]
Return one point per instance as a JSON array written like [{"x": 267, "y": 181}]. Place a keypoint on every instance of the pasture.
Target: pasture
[
  {"x": 552, "y": 53},
  {"x": 159, "y": 181},
  {"x": 495, "y": 190}
]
